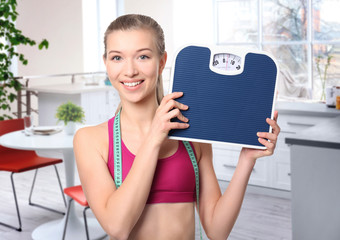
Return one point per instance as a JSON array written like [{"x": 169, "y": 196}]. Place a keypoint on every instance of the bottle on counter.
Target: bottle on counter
[{"x": 337, "y": 102}]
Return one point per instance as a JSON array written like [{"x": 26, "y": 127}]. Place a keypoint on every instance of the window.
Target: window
[
  {"x": 302, "y": 35},
  {"x": 97, "y": 15}
]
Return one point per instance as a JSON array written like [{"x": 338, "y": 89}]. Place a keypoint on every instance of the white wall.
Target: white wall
[
  {"x": 161, "y": 11},
  {"x": 193, "y": 23},
  {"x": 60, "y": 22}
]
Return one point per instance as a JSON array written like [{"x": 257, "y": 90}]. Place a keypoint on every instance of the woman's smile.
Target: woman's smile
[{"x": 132, "y": 85}]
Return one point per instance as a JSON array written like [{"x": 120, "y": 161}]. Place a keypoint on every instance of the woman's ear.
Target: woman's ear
[
  {"x": 162, "y": 62},
  {"x": 104, "y": 59}
]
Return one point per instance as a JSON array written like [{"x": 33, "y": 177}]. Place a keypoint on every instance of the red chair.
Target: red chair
[
  {"x": 17, "y": 161},
  {"x": 76, "y": 193}
]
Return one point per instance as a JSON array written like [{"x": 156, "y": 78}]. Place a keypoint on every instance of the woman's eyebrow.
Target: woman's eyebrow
[
  {"x": 139, "y": 50},
  {"x": 114, "y": 51},
  {"x": 144, "y": 49}
]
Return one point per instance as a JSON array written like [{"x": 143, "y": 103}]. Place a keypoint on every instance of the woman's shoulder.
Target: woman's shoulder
[
  {"x": 92, "y": 135},
  {"x": 201, "y": 149},
  {"x": 93, "y": 130}
]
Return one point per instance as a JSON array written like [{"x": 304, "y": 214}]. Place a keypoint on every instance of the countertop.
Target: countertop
[
  {"x": 306, "y": 108},
  {"x": 325, "y": 134},
  {"x": 75, "y": 88}
]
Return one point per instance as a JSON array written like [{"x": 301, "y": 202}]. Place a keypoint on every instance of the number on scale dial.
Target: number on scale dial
[{"x": 227, "y": 62}]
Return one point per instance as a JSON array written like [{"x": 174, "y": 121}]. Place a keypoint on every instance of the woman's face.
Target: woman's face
[{"x": 133, "y": 63}]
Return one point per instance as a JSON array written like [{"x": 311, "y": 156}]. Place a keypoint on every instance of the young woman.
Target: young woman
[{"x": 156, "y": 199}]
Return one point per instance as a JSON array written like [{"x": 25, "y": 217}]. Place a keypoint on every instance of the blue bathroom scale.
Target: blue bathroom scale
[{"x": 230, "y": 93}]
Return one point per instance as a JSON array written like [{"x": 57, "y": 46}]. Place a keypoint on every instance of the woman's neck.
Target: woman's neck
[{"x": 138, "y": 116}]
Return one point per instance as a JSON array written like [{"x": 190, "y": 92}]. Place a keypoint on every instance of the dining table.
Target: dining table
[{"x": 62, "y": 143}]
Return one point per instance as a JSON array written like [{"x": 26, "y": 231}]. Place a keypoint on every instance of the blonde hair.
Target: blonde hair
[{"x": 137, "y": 21}]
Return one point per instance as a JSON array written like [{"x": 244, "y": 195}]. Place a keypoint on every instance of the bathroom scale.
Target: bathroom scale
[{"x": 230, "y": 93}]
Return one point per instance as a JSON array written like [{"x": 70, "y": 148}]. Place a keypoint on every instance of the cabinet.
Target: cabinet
[
  {"x": 274, "y": 171},
  {"x": 99, "y": 106}
]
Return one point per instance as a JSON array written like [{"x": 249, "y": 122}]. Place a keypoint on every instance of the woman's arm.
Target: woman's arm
[
  {"x": 219, "y": 212},
  {"x": 118, "y": 210}
]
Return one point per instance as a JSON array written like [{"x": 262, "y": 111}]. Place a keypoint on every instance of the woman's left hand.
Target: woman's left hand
[{"x": 270, "y": 143}]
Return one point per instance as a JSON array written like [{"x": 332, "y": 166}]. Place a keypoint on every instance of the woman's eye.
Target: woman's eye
[
  {"x": 144, "y": 57},
  {"x": 116, "y": 58}
]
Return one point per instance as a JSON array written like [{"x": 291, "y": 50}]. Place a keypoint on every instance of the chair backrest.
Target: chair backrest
[{"x": 11, "y": 125}]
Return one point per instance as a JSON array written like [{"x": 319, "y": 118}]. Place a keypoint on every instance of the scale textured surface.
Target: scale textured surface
[{"x": 224, "y": 108}]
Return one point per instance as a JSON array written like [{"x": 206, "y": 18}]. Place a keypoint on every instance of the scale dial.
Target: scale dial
[{"x": 226, "y": 62}]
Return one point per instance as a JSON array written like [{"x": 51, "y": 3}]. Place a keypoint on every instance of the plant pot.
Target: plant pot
[{"x": 70, "y": 128}]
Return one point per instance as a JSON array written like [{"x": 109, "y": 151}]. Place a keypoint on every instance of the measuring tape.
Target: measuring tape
[
  {"x": 197, "y": 178},
  {"x": 117, "y": 146},
  {"x": 118, "y": 160}
]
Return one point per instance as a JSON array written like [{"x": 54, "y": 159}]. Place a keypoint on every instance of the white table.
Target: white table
[{"x": 63, "y": 143}]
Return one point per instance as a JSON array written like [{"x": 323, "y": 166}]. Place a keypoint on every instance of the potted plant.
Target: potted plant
[
  {"x": 70, "y": 114},
  {"x": 11, "y": 37}
]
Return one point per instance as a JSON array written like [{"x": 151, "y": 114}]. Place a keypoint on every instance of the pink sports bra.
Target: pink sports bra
[{"x": 174, "y": 179}]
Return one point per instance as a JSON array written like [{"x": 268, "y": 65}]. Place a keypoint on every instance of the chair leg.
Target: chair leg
[
  {"x": 41, "y": 206},
  {"x": 67, "y": 216},
  {"x": 85, "y": 223},
  {"x": 60, "y": 186},
  {"x": 17, "y": 208},
  {"x": 33, "y": 183}
]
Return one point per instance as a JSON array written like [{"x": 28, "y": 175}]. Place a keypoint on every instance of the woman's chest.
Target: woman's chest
[{"x": 168, "y": 148}]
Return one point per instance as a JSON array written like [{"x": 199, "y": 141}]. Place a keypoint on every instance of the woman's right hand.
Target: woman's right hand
[{"x": 168, "y": 109}]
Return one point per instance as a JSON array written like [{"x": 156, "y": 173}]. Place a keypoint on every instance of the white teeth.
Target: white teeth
[{"x": 132, "y": 84}]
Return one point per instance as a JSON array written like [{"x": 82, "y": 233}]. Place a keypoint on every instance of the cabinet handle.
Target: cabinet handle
[
  {"x": 229, "y": 166},
  {"x": 289, "y": 174},
  {"x": 289, "y": 132},
  {"x": 301, "y": 124},
  {"x": 233, "y": 167}
]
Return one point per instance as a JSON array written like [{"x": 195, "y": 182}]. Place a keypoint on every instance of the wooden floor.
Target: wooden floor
[{"x": 262, "y": 217}]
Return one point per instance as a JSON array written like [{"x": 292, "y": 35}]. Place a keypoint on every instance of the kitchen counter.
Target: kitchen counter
[
  {"x": 74, "y": 88},
  {"x": 325, "y": 134},
  {"x": 315, "y": 178},
  {"x": 306, "y": 108}
]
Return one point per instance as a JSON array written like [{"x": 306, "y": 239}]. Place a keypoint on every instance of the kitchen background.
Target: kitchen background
[{"x": 300, "y": 34}]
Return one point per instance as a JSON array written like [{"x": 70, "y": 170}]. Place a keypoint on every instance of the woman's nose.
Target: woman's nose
[{"x": 130, "y": 69}]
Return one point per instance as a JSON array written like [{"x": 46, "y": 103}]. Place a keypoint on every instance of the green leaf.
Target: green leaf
[
  {"x": 2, "y": 56},
  {"x": 14, "y": 18},
  {"x": 44, "y": 43},
  {"x": 5, "y": 106},
  {"x": 12, "y": 97}
]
